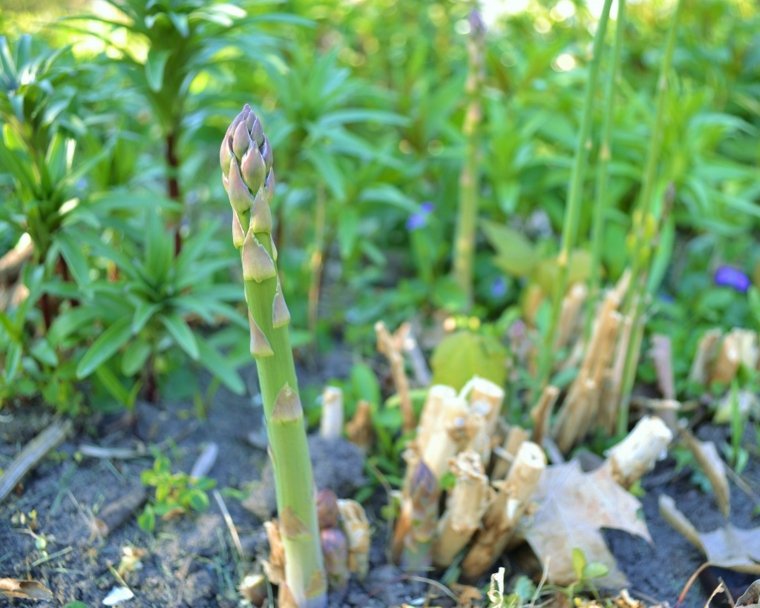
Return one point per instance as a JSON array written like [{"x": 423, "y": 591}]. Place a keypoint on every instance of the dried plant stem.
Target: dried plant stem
[
  {"x": 574, "y": 199},
  {"x": 506, "y": 509},
  {"x": 706, "y": 349},
  {"x": 541, "y": 413},
  {"x": 464, "y": 242},
  {"x": 516, "y": 436},
  {"x": 581, "y": 407},
  {"x": 662, "y": 357},
  {"x": 331, "y": 424},
  {"x": 466, "y": 505},
  {"x": 451, "y": 433},
  {"x": 637, "y": 454},
  {"x": 437, "y": 395},
  {"x": 387, "y": 346},
  {"x": 32, "y": 455},
  {"x": 359, "y": 429},
  {"x": 727, "y": 360},
  {"x": 355, "y": 524},
  {"x": 570, "y": 315}
]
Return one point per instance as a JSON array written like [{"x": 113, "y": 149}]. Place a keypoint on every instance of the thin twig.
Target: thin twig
[
  {"x": 52, "y": 556},
  {"x": 690, "y": 582},
  {"x": 432, "y": 583},
  {"x": 230, "y": 524}
]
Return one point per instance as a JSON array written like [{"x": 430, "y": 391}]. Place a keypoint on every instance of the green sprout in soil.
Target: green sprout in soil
[
  {"x": 175, "y": 494},
  {"x": 246, "y": 161}
]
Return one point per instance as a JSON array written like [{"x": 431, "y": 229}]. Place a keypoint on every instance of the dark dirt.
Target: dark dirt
[{"x": 190, "y": 561}]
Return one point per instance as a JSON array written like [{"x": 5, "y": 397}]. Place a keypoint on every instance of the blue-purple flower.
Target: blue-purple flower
[
  {"x": 730, "y": 276},
  {"x": 498, "y": 288},
  {"x": 419, "y": 218}
]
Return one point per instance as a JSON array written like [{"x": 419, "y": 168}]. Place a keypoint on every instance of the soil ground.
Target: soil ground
[{"x": 190, "y": 561}]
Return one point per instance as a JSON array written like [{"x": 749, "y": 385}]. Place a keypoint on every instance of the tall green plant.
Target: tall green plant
[
  {"x": 246, "y": 161},
  {"x": 574, "y": 198},
  {"x": 464, "y": 241},
  {"x": 602, "y": 171},
  {"x": 182, "y": 39},
  {"x": 644, "y": 223}
]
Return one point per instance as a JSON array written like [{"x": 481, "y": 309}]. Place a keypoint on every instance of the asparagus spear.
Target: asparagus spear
[{"x": 248, "y": 177}]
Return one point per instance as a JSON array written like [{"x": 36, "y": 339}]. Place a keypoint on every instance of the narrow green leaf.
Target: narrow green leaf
[
  {"x": 215, "y": 362},
  {"x": 12, "y": 361},
  {"x": 143, "y": 313},
  {"x": 154, "y": 68},
  {"x": 182, "y": 334},
  {"x": 75, "y": 258},
  {"x": 135, "y": 356},
  {"x": 111, "y": 340}
]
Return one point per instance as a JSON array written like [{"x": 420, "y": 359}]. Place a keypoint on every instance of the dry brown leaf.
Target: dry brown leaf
[
  {"x": 572, "y": 508},
  {"x": 751, "y": 597},
  {"x": 733, "y": 548},
  {"x": 727, "y": 547},
  {"x": 27, "y": 590}
]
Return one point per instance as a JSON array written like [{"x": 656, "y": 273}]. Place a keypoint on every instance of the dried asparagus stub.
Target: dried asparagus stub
[
  {"x": 541, "y": 413},
  {"x": 516, "y": 436},
  {"x": 485, "y": 397},
  {"x": 466, "y": 505},
  {"x": 570, "y": 315},
  {"x": 450, "y": 435},
  {"x": 331, "y": 424},
  {"x": 706, "y": 350},
  {"x": 355, "y": 525},
  {"x": 431, "y": 411},
  {"x": 727, "y": 360},
  {"x": 506, "y": 509},
  {"x": 637, "y": 454},
  {"x": 359, "y": 429}
]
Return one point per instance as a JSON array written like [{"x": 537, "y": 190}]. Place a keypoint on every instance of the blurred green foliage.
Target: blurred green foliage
[{"x": 112, "y": 118}]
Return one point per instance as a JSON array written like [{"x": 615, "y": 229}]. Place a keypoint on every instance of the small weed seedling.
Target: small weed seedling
[{"x": 175, "y": 494}]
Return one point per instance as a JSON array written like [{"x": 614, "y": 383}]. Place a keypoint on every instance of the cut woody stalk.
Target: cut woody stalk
[
  {"x": 464, "y": 242},
  {"x": 246, "y": 161},
  {"x": 465, "y": 506},
  {"x": 387, "y": 346},
  {"x": 506, "y": 509}
]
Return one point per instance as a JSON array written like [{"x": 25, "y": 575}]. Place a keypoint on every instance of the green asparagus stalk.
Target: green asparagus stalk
[
  {"x": 467, "y": 215},
  {"x": 248, "y": 178}
]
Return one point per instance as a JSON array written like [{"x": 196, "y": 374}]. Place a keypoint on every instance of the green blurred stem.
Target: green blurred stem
[
  {"x": 602, "y": 173},
  {"x": 464, "y": 242},
  {"x": 575, "y": 191},
  {"x": 640, "y": 268},
  {"x": 289, "y": 450},
  {"x": 316, "y": 263}
]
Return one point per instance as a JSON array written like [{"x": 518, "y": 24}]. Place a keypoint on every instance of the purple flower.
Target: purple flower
[
  {"x": 419, "y": 219},
  {"x": 729, "y": 276},
  {"x": 498, "y": 288}
]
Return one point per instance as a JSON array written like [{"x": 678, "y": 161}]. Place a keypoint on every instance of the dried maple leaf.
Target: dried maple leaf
[
  {"x": 733, "y": 548},
  {"x": 727, "y": 547},
  {"x": 572, "y": 508},
  {"x": 28, "y": 590}
]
